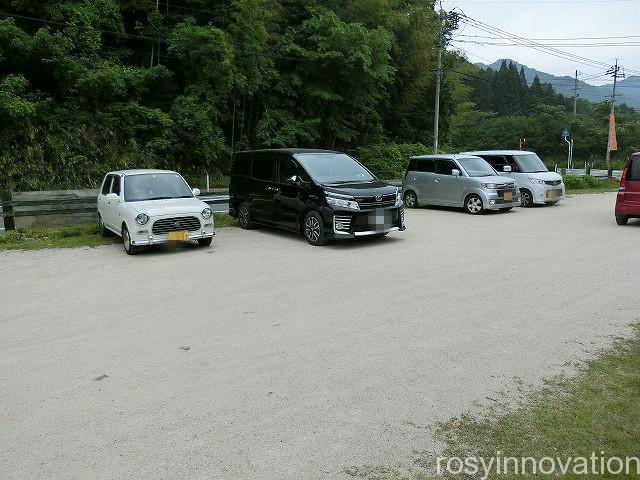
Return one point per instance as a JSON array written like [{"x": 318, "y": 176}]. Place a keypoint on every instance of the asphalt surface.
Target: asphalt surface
[{"x": 301, "y": 361}]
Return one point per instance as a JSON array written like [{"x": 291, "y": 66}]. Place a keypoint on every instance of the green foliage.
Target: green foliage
[
  {"x": 588, "y": 182},
  {"x": 102, "y": 84},
  {"x": 389, "y": 161},
  {"x": 573, "y": 182}
]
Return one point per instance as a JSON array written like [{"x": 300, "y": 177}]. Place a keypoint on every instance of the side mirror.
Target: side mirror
[
  {"x": 113, "y": 197},
  {"x": 455, "y": 172},
  {"x": 294, "y": 180},
  {"x": 507, "y": 168},
  {"x": 196, "y": 192}
]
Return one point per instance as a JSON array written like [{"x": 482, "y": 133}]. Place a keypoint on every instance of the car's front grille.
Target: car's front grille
[
  {"x": 506, "y": 186},
  {"x": 342, "y": 223},
  {"x": 387, "y": 200},
  {"x": 175, "y": 224},
  {"x": 553, "y": 183}
]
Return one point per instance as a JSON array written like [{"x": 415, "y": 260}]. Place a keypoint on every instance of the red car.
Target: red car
[{"x": 628, "y": 201}]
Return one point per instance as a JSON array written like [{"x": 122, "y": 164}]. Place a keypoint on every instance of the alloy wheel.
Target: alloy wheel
[
  {"x": 312, "y": 229},
  {"x": 244, "y": 216},
  {"x": 410, "y": 200},
  {"x": 474, "y": 205},
  {"x": 527, "y": 199}
]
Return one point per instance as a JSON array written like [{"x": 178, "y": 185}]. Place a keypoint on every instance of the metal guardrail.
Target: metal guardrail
[{"x": 67, "y": 206}]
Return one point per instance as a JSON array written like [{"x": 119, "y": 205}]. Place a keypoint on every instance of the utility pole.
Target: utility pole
[
  {"x": 575, "y": 95},
  {"x": 615, "y": 71},
  {"x": 153, "y": 43},
  {"x": 436, "y": 115}
]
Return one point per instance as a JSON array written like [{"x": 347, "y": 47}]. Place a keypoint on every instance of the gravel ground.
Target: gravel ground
[{"x": 298, "y": 361}]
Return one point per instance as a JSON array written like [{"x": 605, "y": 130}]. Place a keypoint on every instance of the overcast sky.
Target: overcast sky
[{"x": 557, "y": 19}]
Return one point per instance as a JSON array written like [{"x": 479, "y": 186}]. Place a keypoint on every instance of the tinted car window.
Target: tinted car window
[
  {"x": 426, "y": 165},
  {"x": 115, "y": 186},
  {"x": 106, "y": 187},
  {"x": 155, "y": 186},
  {"x": 496, "y": 161},
  {"x": 287, "y": 169},
  {"x": 241, "y": 165},
  {"x": 444, "y": 167},
  {"x": 333, "y": 168},
  {"x": 634, "y": 170},
  {"x": 263, "y": 167},
  {"x": 412, "y": 165}
]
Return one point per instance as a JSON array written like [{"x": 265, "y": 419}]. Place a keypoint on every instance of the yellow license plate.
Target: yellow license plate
[
  {"x": 508, "y": 196},
  {"x": 553, "y": 193},
  {"x": 181, "y": 236}
]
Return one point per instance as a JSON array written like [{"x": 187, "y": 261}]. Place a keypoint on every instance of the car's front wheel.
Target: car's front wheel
[
  {"x": 205, "y": 242},
  {"x": 244, "y": 216},
  {"x": 314, "y": 229},
  {"x": 622, "y": 220},
  {"x": 473, "y": 205},
  {"x": 411, "y": 199},
  {"x": 526, "y": 198},
  {"x": 129, "y": 247}
]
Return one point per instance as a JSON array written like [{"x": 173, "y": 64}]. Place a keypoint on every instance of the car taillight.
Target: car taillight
[{"x": 623, "y": 179}]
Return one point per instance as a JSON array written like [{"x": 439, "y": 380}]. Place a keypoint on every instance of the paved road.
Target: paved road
[{"x": 302, "y": 360}]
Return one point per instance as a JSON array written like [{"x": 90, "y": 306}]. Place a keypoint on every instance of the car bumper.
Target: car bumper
[
  {"x": 141, "y": 240},
  {"x": 626, "y": 208},
  {"x": 496, "y": 201},
  {"x": 548, "y": 193},
  {"x": 343, "y": 225}
]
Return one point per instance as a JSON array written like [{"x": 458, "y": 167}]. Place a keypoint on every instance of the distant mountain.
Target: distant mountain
[{"x": 629, "y": 87}]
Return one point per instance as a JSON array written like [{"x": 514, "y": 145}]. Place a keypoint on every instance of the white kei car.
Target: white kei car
[{"x": 148, "y": 207}]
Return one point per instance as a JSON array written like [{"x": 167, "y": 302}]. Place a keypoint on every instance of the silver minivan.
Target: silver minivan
[{"x": 458, "y": 181}]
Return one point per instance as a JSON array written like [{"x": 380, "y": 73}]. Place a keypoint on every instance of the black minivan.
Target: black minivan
[{"x": 323, "y": 194}]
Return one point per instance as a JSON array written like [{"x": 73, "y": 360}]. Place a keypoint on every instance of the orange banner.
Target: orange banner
[{"x": 613, "y": 138}]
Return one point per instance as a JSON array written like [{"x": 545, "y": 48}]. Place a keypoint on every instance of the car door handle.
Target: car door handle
[
  {"x": 272, "y": 189},
  {"x": 415, "y": 178},
  {"x": 437, "y": 180}
]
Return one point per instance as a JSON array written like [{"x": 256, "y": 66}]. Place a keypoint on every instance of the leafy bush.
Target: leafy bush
[
  {"x": 389, "y": 161},
  {"x": 591, "y": 182},
  {"x": 573, "y": 182}
]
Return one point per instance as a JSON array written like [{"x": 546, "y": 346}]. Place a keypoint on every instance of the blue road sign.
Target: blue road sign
[{"x": 565, "y": 133}]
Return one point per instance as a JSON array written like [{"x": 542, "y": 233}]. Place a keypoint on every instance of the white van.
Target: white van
[{"x": 536, "y": 183}]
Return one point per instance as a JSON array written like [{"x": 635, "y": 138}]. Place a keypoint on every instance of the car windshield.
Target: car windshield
[
  {"x": 155, "y": 186},
  {"x": 476, "y": 167},
  {"x": 530, "y": 163},
  {"x": 333, "y": 168}
]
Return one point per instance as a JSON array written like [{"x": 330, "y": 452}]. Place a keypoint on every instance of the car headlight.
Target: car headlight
[
  {"x": 343, "y": 203},
  {"x": 206, "y": 213},
  {"x": 142, "y": 219},
  {"x": 537, "y": 181},
  {"x": 398, "y": 198},
  {"x": 490, "y": 186}
]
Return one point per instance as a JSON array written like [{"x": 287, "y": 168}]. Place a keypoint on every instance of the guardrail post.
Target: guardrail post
[{"x": 7, "y": 209}]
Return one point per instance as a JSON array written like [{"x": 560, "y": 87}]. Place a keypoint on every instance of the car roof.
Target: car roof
[
  {"x": 139, "y": 172},
  {"x": 499, "y": 152},
  {"x": 290, "y": 151},
  {"x": 446, "y": 156}
]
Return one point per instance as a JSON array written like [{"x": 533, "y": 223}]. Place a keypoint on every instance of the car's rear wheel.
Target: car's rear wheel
[
  {"x": 473, "y": 205},
  {"x": 411, "y": 199},
  {"x": 244, "y": 216},
  {"x": 205, "y": 242},
  {"x": 104, "y": 231},
  {"x": 526, "y": 198},
  {"x": 129, "y": 247},
  {"x": 314, "y": 229},
  {"x": 622, "y": 220}
]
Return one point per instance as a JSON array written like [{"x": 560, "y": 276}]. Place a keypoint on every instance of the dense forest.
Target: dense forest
[{"x": 92, "y": 85}]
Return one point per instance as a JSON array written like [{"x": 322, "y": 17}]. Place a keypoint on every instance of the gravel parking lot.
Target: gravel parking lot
[{"x": 298, "y": 361}]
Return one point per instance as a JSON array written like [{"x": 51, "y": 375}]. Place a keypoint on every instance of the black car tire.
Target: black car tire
[
  {"x": 313, "y": 229},
  {"x": 622, "y": 220},
  {"x": 104, "y": 231},
  {"x": 244, "y": 216},
  {"x": 410, "y": 199},
  {"x": 205, "y": 242},
  {"x": 126, "y": 240},
  {"x": 473, "y": 205},
  {"x": 526, "y": 198}
]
